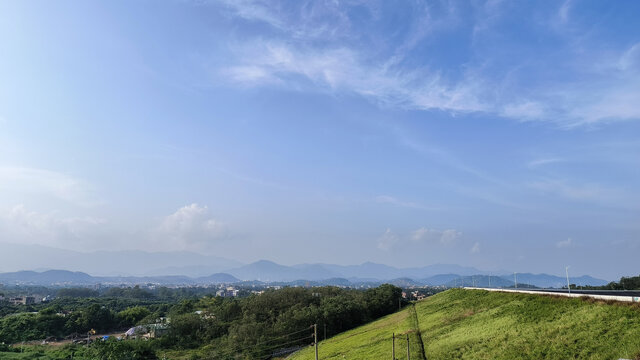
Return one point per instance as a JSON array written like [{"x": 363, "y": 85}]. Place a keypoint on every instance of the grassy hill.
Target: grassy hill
[{"x": 475, "y": 324}]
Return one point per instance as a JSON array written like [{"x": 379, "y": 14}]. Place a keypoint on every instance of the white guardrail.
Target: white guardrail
[{"x": 625, "y": 298}]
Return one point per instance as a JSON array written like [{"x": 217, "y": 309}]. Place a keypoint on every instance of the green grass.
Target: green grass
[
  {"x": 371, "y": 341},
  {"x": 40, "y": 352},
  {"x": 469, "y": 324},
  {"x": 475, "y": 324}
]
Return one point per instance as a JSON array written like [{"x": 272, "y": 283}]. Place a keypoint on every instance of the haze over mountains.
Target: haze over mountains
[
  {"x": 72, "y": 267},
  {"x": 111, "y": 263}
]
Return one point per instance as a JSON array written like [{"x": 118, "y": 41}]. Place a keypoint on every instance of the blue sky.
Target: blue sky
[{"x": 501, "y": 135}]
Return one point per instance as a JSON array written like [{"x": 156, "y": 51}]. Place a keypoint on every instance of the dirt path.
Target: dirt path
[{"x": 414, "y": 314}]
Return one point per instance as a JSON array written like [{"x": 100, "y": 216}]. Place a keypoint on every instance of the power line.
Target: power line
[
  {"x": 286, "y": 343},
  {"x": 284, "y": 336},
  {"x": 257, "y": 348},
  {"x": 250, "y": 348},
  {"x": 280, "y": 345}
]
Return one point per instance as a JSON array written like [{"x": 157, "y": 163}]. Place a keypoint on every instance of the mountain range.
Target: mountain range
[
  {"x": 129, "y": 267},
  {"x": 15, "y": 257},
  {"x": 264, "y": 271}
]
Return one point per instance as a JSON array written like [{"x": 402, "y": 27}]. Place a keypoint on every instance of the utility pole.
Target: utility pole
[
  {"x": 408, "y": 352},
  {"x": 515, "y": 280},
  {"x": 489, "y": 280},
  {"x": 393, "y": 346},
  {"x": 315, "y": 338},
  {"x": 566, "y": 269}
]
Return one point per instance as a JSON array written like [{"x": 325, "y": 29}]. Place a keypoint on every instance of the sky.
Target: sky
[{"x": 503, "y": 135}]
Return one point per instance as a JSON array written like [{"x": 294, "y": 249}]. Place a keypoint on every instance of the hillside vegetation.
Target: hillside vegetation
[{"x": 476, "y": 324}]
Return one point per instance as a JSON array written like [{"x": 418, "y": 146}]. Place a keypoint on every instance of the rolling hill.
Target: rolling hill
[{"x": 476, "y": 324}]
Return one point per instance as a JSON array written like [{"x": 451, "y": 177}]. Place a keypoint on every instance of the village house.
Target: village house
[{"x": 23, "y": 300}]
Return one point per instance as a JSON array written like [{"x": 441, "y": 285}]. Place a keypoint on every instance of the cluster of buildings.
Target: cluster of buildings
[
  {"x": 25, "y": 299},
  {"x": 22, "y": 300},
  {"x": 229, "y": 291},
  {"x": 414, "y": 295}
]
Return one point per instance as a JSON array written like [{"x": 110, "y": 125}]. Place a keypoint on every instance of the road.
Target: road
[
  {"x": 615, "y": 295},
  {"x": 592, "y": 292}
]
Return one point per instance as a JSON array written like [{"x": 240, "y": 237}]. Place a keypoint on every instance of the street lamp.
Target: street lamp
[{"x": 566, "y": 269}]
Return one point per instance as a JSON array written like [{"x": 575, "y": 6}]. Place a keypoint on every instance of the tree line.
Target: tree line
[
  {"x": 625, "y": 283},
  {"x": 214, "y": 327}
]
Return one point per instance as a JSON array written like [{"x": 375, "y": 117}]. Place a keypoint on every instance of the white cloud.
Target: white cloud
[
  {"x": 255, "y": 11},
  {"x": 563, "y": 12},
  {"x": 423, "y": 236},
  {"x": 617, "y": 101},
  {"x": 344, "y": 69},
  {"x": 386, "y": 199},
  {"x": 527, "y": 110},
  {"x": 630, "y": 59},
  {"x": 544, "y": 161},
  {"x": 58, "y": 185},
  {"x": 594, "y": 193},
  {"x": 475, "y": 248},
  {"x": 189, "y": 228},
  {"x": 300, "y": 20},
  {"x": 574, "y": 191},
  {"x": 388, "y": 240},
  {"x": 444, "y": 237},
  {"x": 318, "y": 48},
  {"x": 21, "y": 225},
  {"x": 565, "y": 243}
]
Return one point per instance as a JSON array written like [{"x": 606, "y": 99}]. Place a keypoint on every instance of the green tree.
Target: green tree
[{"x": 132, "y": 316}]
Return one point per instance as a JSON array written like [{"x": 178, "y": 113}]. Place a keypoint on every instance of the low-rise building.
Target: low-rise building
[{"x": 23, "y": 300}]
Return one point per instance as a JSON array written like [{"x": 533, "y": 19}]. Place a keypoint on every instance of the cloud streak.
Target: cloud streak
[
  {"x": 565, "y": 243},
  {"x": 386, "y": 199},
  {"x": 294, "y": 58},
  {"x": 422, "y": 236},
  {"x": 58, "y": 185}
]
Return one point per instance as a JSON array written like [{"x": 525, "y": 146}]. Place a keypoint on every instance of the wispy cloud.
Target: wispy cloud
[
  {"x": 59, "y": 185},
  {"x": 564, "y": 243},
  {"x": 575, "y": 192},
  {"x": 422, "y": 236},
  {"x": 525, "y": 111},
  {"x": 445, "y": 237},
  {"x": 587, "y": 192},
  {"x": 295, "y": 58},
  {"x": 630, "y": 59},
  {"x": 386, "y": 199},
  {"x": 345, "y": 69},
  {"x": 387, "y": 240},
  {"x": 443, "y": 156},
  {"x": 563, "y": 12},
  {"x": 475, "y": 248},
  {"x": 544, "y": 161},
  {"x": 250, "y": 179}
]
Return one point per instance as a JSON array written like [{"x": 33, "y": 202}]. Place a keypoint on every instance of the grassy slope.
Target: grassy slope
[
  {"x": 371, "y": 341},
  {"x": 474, "y": 324}
]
